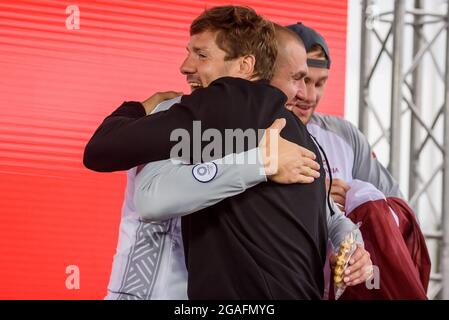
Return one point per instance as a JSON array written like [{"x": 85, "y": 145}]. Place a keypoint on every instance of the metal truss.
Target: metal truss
[{"x": 384, "y": 37}]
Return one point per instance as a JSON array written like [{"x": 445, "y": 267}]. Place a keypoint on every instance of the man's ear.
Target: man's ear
[{"x": 247, "y": 65}]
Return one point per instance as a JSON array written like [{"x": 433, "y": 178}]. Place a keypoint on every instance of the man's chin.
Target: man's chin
[{"x": 303, "y": 115}]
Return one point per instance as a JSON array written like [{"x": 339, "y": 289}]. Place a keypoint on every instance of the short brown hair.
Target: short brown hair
[
  {"x": 316, "y": 48},
  {"x": 241, "y": 31}
]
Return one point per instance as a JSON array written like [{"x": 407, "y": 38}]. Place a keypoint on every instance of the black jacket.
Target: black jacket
[{"x": 266, "y": 243}]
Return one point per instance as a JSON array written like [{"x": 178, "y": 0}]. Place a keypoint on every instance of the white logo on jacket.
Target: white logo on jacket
[{"x": 205, "y": 172}]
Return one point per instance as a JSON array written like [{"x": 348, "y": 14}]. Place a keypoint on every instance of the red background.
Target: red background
[{"x": 56, "y": 85}]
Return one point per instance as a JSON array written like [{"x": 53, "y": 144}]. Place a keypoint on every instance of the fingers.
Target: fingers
[
  {"x": 278, "y": 124},
  {"x": 357, "y": 255},
  {"x": 294, "y": 164},
  {"x": 338, "y": 199},
  {"x": 308, "y": 172},
  {"x": 305, "y": 167},
  {"x": 307, "y": 153},
  {"x": 338, "y": 191},
  {"x": 291, "y": 177},
  {"x": 361, "y": 276},
  {"x": 341, "y": 184},
  {"x": 356, "y": 277},
  {"x": 311, "y": 164},
  {"x": 308, "y": 167},
  {"x": 359, "y": 259},
  {"x": 306, "y": 164},
  {"x": 150, "y": 103},
  {"x": 360, "y": 268},
  {"x": 303, "y": 179},
  {"x": 166, "y": 95}
]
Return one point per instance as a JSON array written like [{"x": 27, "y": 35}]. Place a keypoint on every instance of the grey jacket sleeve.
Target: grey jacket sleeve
[
  {"x": 368, "y": 168},
  {"x": 166, "y": 189},
  {"x": 339, "y": 226}
]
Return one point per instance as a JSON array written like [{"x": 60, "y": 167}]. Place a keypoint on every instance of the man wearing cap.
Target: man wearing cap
[
  {"x": 254, "y": 244},
  {"x": 331, "y": 132},
  {"x": 160, "y": 179},
  {"x": 364, "y": 189}
]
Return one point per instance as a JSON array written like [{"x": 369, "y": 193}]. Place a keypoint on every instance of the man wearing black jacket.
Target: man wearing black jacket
[{"x": 270, "y": 241}]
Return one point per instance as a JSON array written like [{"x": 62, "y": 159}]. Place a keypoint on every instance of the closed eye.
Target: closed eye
[{"x": 299, "y": 76}]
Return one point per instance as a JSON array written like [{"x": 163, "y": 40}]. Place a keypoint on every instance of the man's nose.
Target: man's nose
[
  {"x": 301, "y": 92},
  {"x": 311, "y": 93},
  {"x": 188, "y": 67}
]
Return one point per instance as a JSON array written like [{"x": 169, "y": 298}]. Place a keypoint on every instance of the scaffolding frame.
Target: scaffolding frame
[{"x": 400, "y": 104}]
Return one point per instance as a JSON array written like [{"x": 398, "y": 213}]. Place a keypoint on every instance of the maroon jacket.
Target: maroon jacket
[{"x": 400, "y": 253}]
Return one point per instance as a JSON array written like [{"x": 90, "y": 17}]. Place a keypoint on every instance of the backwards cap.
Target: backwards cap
[{"x": 310, "y": 37}]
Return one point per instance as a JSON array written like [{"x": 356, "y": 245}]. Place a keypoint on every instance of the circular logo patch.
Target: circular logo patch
[{"x": 205, "y": 172}]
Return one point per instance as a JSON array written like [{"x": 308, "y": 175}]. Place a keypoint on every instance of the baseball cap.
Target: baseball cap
[{"x": 310, "y": 37}]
